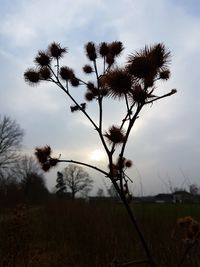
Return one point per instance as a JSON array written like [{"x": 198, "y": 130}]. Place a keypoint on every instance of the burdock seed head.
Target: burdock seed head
[
  {"x": 115, "y": 48},
  {"x": 118, "y": 82},
  {"x": 146, "y": 63},
  {"x": 87, "y": 69},
  {"x": 89, "y": 96},
  {"x": 43, "y": 153},
  {"x": 45, "y": 73},
  {"x": 42, "y": 59},
  {"x": 56, "y": 51},
  {"x": 115, "y": 135},
  {"x": 75, "y": 82},
  {"x": 138, "y": 94},
  {"x": 103, "y": 49},
  {"x": 32, "y": 76},
  {"x": 91, "y": 51},
  {"x": 66, "y": 73},
  {"x": 128, "y": 163},
  {"x": 164, "y": 75}
]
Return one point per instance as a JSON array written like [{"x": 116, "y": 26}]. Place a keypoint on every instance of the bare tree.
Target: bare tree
[
  {"x": 11, "y": 136},
  {"x": 31, "y": 179},
  {"x": 77, "y": 180},
  {"x": 100, "y": 192},
  {"x": 26, "y": 165}
]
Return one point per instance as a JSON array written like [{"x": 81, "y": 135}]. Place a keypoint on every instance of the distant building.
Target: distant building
[
  {"x": 183, "y": 196},
  {"x": 180, "y": 196},
  {"x": 163, "y": 198}
]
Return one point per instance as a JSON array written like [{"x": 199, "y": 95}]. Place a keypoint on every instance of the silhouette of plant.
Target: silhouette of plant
[{"x": 134, "y": 84}]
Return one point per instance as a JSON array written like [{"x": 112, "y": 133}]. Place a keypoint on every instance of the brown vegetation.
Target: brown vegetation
[{"x": 77, "y": 234}]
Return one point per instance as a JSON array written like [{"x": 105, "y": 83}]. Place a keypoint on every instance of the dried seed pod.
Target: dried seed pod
[
  {"x": 89, "y": 96},
  {"x": 66, "y": 73},
  {"x": 87, "y": 69},
  {"x": 74, "y": 108},
  {"x": 138, "y": 94},
  {"x": 128, "y": 163},
  {"x": 164, "y": 75},
  {"x": 91, "y": 51},
  {"x": 115, "y": 48},
  {"x": 45, "y": 73},
  {"x": 56, "y": 51},
  {"x": 43, "y": 153},
  {"x": 32, "y": 76},
  {"x": 118, "y": 82},
  {"x": 74, "y": 82},
  {"x": 42, "y": 59},
  {"x": 115, "y": 135}
]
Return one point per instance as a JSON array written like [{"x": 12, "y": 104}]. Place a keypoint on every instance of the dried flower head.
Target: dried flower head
[
  {"x": 115, "y": 48},
  {"x": 103, "y": 49},
  {"x": 87, "y": 69},
  {"x": 45, "y": 73},
  {"x": 115, "y": 135},
  {"x": 118, "y": 82},
  {"x": 128, "y": 163},
  {"x": 32, "y": 76},
  {"x": 53, "y": 162},
  {"x": 91, "y": 51},
  {"x": 110, "y": 59},
  {"x": 139, "y": 66},
  {"x": 75, "y": 82},
  {"x": 148, "y": 62},
  {"x": 74, "y": 108},
  {"x": 138, "y": 94},
  {"x": 91, "y": 87},
  {"x": 190, "y": 228},
  {"x": 46, "y": 166},
  {"x": 77, "y": 107},
  {"x": 164, "y": 75},
  {"x": 89, "y": 96},
  {"x": 56, "y": 51},
  {"x": 66, "y": 73},
  {"x": 42, "y": 59},
  {"x": 43, "y": 153},
  {"x": 103, "y": 92},
  {"x": 158, "y": 55}
]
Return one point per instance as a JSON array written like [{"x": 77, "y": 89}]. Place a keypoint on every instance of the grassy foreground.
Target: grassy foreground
[{"x": 78, "y": 234}]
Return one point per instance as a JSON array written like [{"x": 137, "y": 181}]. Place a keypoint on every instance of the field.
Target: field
[{"x": 78, "y": 234}]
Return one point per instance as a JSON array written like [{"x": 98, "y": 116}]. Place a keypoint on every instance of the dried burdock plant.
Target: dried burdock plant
[
  {"x": 189, "y": 231},
  {"x": 134, "y": 84}
]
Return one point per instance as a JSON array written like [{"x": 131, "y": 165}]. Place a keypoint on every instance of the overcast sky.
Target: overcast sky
[{"x": 165, "y": 144}]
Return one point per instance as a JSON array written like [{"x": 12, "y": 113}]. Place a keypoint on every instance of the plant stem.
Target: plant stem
[
  {"x": 84, "y": 164},
  {"x": 139, "y": 232}
]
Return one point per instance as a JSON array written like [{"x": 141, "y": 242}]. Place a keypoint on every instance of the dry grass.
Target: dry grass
[{"x": 77, "y": 234}]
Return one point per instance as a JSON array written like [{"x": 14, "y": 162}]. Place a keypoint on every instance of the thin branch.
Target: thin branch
[
  {"x": 127, "y": 105},
  {"x": 85, "y": 164},
  {"x": 173, "y": 91}
]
